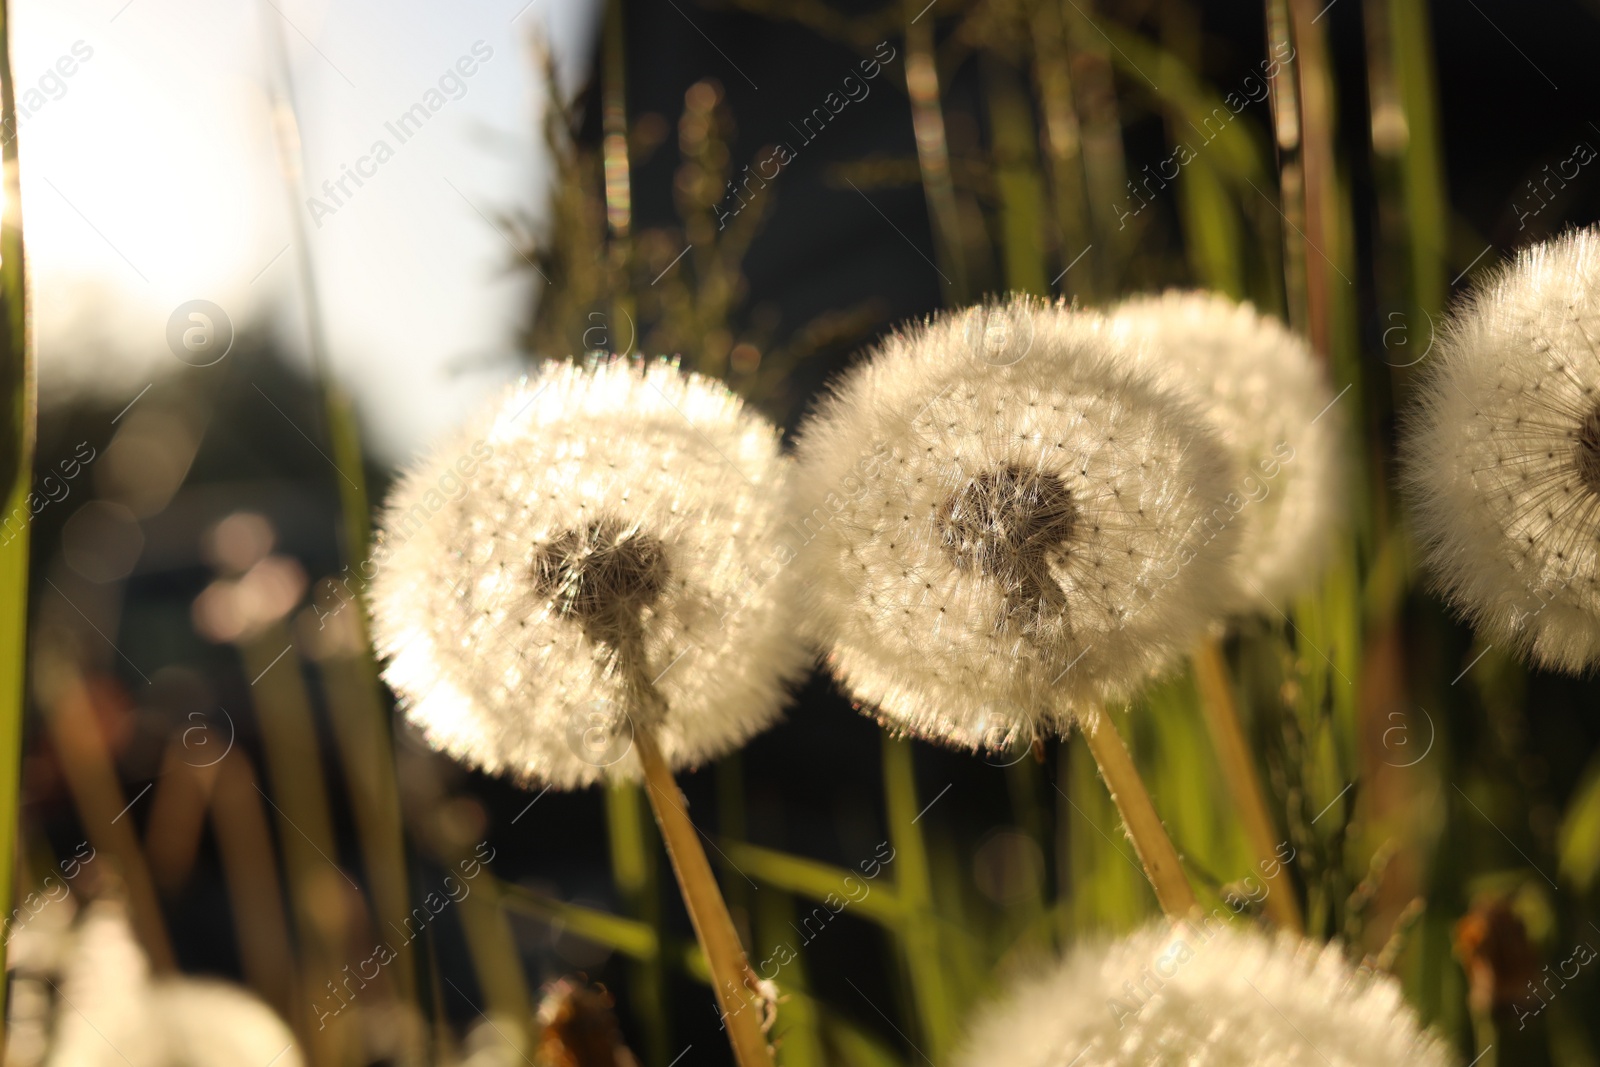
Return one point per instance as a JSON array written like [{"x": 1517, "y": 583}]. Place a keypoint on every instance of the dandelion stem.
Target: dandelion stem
[
  {"x": 1156, "y": 852},
  {"x": 1233, "y": 753},
  {"x": 731, "y": 977}
]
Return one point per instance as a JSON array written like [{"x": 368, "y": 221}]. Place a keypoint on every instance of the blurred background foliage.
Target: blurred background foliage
[{"x": 203, "y": 710}]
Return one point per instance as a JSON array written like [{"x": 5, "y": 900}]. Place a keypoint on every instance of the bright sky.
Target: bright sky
[{"x": 150, "y": 178}]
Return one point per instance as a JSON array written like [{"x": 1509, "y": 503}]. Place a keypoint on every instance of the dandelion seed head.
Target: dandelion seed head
[
  {"x": 1269, "y": 401},
  {"x": 989, "y": 543},
  {"x": 612, "y": 510},
  {"x": 1218, "y": 995},
  {"x": 1502, "y": 456}
]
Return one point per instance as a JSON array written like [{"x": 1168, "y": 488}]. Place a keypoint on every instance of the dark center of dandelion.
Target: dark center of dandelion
[
  {"x": 602, "y": 576},
  {"x": 1586, "y": 453},
  {"x": 1004, "y": 524}
]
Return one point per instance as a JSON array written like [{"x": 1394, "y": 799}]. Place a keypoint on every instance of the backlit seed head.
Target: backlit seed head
[
  {"x": 602, "y": 575},
  {"x": 993, "y": 545},
  {"x": 1269, "y": 401},
  {"x": 1502, "y": 456},
  {"x": 596, "y": 529},
  {"x": 1008, "y": 524},
  {"x": 1230, "y": 996}
]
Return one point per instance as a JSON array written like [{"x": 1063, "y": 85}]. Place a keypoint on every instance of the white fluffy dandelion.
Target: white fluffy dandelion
[
  {"x": 1503, "y": 456},
  {"x": 1006, "y": 521},
  {"x": 596, "y": 530},
  {"x": 1270, "y": 403},
  {"x": 1217, "y": 995},
  {"x": 587, "y": 583}
]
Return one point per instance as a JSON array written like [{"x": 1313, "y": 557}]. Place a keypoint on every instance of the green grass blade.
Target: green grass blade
[
  {"x": 630, "y": 937},
  {"x": 634, "y": 870},
  {"x": 919, "y": 937},
  {"x": 1017, "y": 181},
  {"x": 818, "y": 881},
  {"x": 16, "y": 458}
]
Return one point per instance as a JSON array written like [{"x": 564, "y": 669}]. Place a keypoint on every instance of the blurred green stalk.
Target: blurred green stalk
[
  {"x": 634, "y": 870},
  {"x": 18, "y": 412},
  {"x": 382, "y": 833},
  {"x": 919, "y": 934},
  {"x": 1017, "y": 180}
]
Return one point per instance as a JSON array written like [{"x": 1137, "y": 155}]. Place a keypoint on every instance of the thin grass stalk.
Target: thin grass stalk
[
  {"x": 1284, "y": 96},
  {"x": 91, "y": 776},
  {"x": 1162, "y": 867},
  {"x": 344, "y": 441},
  {"x": 495, "y": 962},
  {"x": 178, "y": 805},
  {"x": 1063, "y": 143},
  {"x": 614, "y": 159},
  {"x": 626, "y": 936},
  {"x": 343, "y": 435},
  {"x": 1421, "y": 156},
  {"x": 933, "y": 156},
  {"x": 293, "y": 756},
  {"x": 1024, "y": 778},
  {"x": 1017, "y": 180},
  {"x": 18, "y": 412},
  {"x": 366, "y": 756},
  {"x": 797, "y": 1034},
  {"x": 244, "y": 845},
  {"x": 732, "y": 980},
  {"x": 1100, "y": 122},
  {"x": 1221, "y": 710},
  {"x": 814, "y": 880},
  {"x": 299, "y": 800},
  {"x": 1209, "y": 220},
  {"x": 919, "y": 933},
  {"x": 633, "y": 870},
  {"x": 1316, "y": 155},
  {"x": 1300, "y": 149}
]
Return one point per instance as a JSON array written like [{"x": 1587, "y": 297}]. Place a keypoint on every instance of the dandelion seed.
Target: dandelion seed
[
  {"x": 1267, "y": 399},
  {"x": 1202, "y": 994},
  {"x": 1502, "y": 456},
  {"x": 993, "y": 546},
  {"x": 597, "y": 530}
]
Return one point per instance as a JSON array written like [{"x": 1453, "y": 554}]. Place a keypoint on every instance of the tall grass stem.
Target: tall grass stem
[{"x": 1221, "y": 710}]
